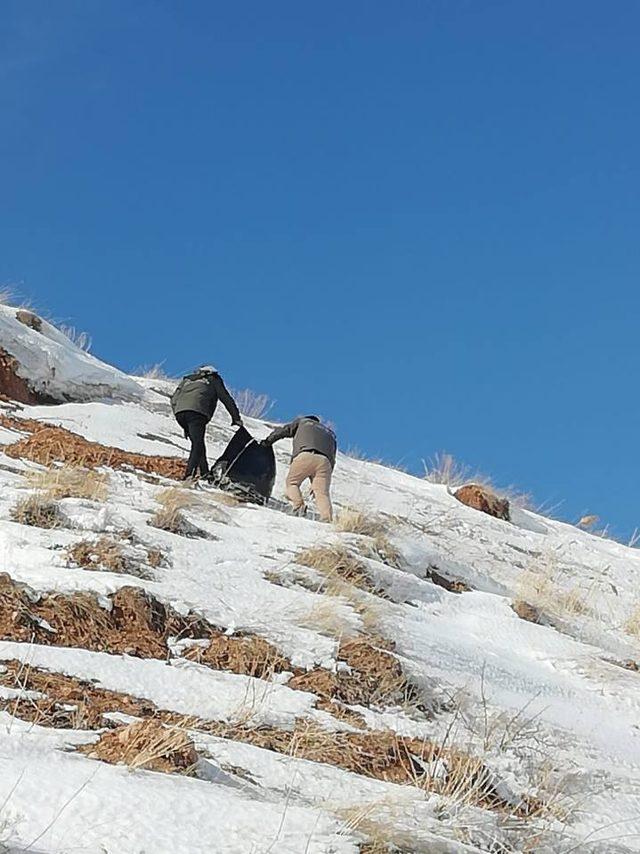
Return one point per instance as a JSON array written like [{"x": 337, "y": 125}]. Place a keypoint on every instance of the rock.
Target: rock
[
  {"x": 527, "y": 612},
  {"x": 29, "y": 319},
  {"x": 481, "y": 498},
  {"x": 12, "y": 386}
]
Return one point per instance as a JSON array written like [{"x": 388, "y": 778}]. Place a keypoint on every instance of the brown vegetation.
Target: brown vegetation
[
  {"x": 337, "y": 562},
  {"x": 69, "y": 482},
  {"x": 353, "y": 521},
  {"x": 147, "y": 744},
  {"x": 374, "y": 678},
  {"x": 48, "y": 444},
  {"x": 38, "y": 512},
  {"x": 526, "y": 611},
  {"x": 245, "y": 654}
]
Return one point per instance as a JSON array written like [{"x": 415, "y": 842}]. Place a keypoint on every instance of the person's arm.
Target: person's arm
[
  {"x": 227, "y": 401},
  {"x": 174, "y": 396},
  {"x": 287, "y": 431}
]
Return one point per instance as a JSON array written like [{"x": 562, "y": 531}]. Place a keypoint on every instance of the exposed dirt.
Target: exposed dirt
[
  {"x": 146, "y": 744},
  {"x": 48, "y": 444},
  {"x": 481, "y": 498}
]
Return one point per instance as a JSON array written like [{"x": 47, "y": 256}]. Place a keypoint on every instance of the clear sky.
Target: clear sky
[{"x": 419, "y": 219}]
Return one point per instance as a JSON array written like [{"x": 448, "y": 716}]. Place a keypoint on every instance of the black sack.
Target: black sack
[{"x": 246, "y": 468}]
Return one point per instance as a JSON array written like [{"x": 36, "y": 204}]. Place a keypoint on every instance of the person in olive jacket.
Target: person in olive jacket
[
  {"x": 193, "y": 403},
  {"x": 313, "y": 457}
]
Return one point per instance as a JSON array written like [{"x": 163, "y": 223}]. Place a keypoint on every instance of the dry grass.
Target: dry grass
[
  {"x": 82, "y": 340},
  {"x": 156, "y": 558},
  {"x": 147, "y": 744},
  {"x": 153, "y": 372},
  {"x": 337, "y": 563},
  {"x": 374, "y": 678},
  {"x": 381, "y": 548},
  {"x": 541, "y": 586},
  {"x": 38, "y": 511},
  {"x": 48, "y": 444},
  {"x": 247, "y": 655},
  {"x": 104, "y": 553},
  {"x": 251, "y": 403},
  {"x": 632, "y": 624},
  {"x": 170, "y": 515},
  {"x": 325, "y": 619},
  {"x": 69, "y": 482},
  {"x": 354, "y": 521}
]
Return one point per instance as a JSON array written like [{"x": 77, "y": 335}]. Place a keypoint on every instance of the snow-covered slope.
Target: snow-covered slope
[
  {"x": 55, "y": 367},
  {"x": 534, "y": 726}
]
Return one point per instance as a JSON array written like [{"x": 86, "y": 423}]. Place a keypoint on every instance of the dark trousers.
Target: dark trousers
[{"x": 194, "y": 425}]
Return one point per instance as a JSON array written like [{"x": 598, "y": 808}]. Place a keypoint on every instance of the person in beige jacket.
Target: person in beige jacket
[{"x": 313, "y": 458}]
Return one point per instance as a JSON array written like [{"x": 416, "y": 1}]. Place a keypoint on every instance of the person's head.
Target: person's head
[
  {"x": 312, "y": 418},
  {"x": 207, "y": 369}
]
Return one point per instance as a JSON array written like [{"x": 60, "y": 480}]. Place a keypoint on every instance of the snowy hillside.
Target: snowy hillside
[{"x": 183, "y": 673}]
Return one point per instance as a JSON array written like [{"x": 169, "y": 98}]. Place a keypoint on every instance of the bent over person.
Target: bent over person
[
  {"x": 314, "y": 456},
  {"x": 193, "y": 402}
]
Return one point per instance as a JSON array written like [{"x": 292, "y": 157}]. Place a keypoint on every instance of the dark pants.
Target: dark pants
[{"x": 194, "y": 425}]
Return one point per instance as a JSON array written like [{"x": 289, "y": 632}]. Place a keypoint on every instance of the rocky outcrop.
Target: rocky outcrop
[{"x": 481, "y": 498}]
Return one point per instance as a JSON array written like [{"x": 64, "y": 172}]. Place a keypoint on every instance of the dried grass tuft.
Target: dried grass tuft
[
  {"x": 148, "y": 745},
  {"x": 337, "y": 563},
  {"x": 632, "y": 624},
  {"x": 38, "y": 512},
  {"x": 69, "y": 482},
  {"x": 354, "y": 521}
]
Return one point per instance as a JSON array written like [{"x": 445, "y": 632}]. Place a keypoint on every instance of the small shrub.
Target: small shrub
[
  {"x": 70, "y": 482},
  {"x": 38, "y": 511}
]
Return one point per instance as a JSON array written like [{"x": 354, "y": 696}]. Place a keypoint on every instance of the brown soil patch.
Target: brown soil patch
[
  {"x": 146, "y": 744},
  {"x": 481, "y": 498},
  {"x": 248, "y": 655},
  {"x": 453, "y": 585},
  {"x": 374, "y": 679},
  {"x": 48, "y": 444}
]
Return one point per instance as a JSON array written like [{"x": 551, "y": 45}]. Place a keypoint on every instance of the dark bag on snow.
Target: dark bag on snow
[{"x": 246, "y": 468}]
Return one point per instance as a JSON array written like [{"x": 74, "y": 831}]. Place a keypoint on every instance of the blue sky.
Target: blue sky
[{"x": 419, "y": 219}]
